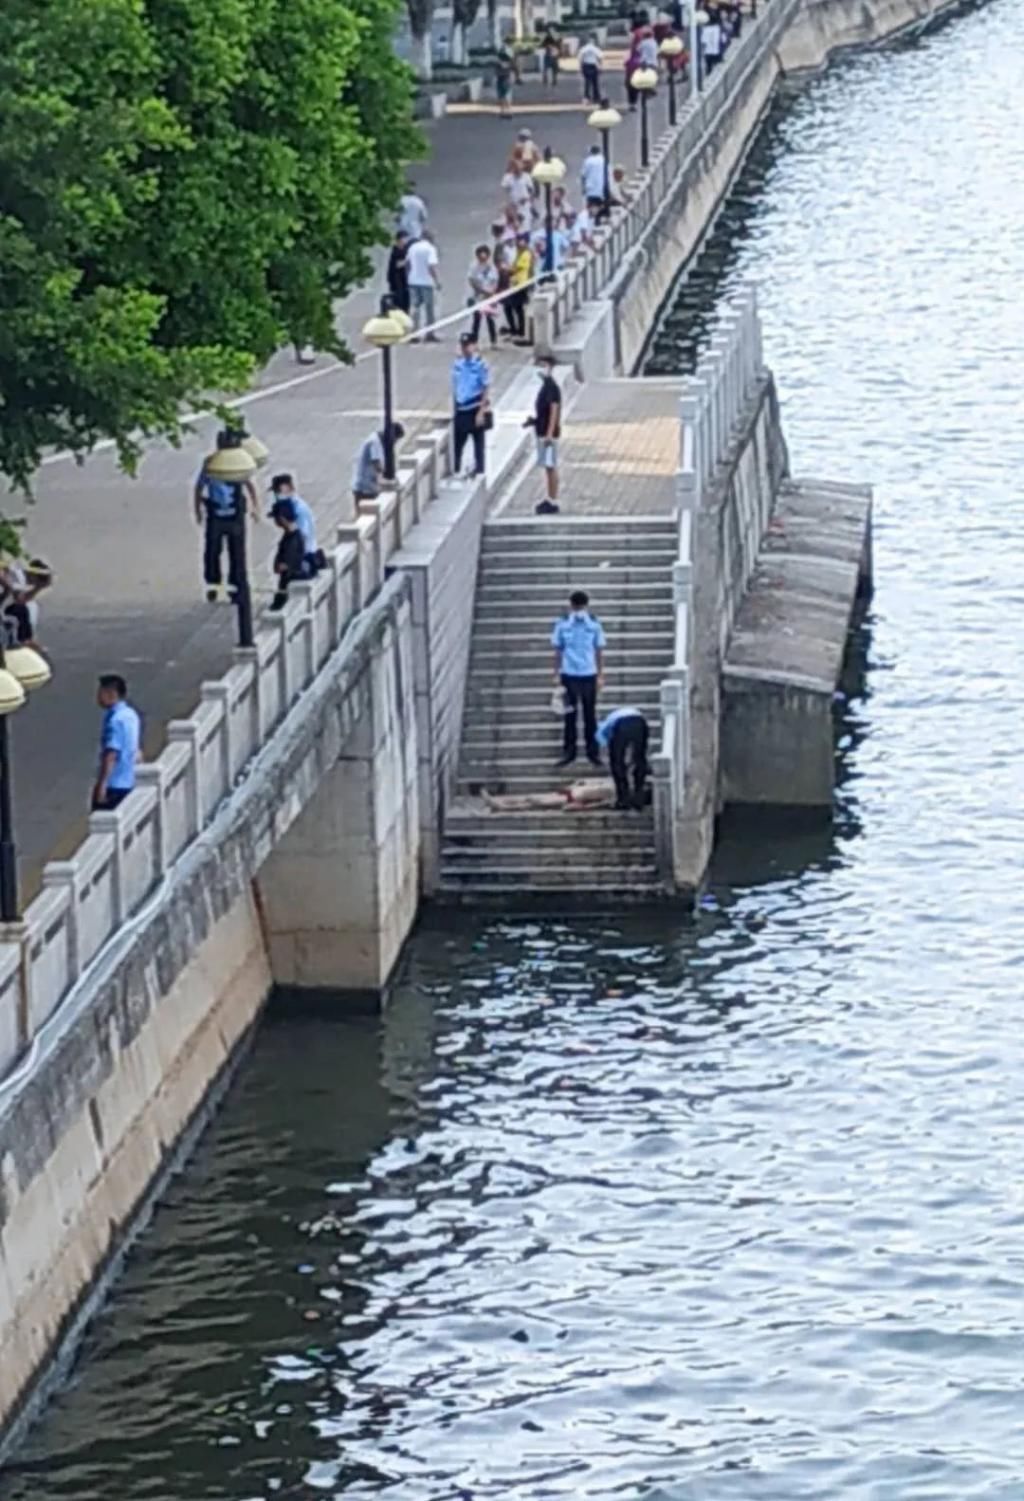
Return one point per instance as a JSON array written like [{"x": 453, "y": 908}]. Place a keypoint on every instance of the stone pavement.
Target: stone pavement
[
  {"x": 126, "y": 552},
  {"x": 619, "y": 453}
]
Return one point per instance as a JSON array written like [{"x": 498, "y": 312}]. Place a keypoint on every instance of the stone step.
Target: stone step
[
  {"x": 468, "y": 814},
  {"x": 528, "y": 589},
  {"x": 612, "y": 877},
  {"x": 518, "y": 638},
  {"x": 541, "y": 781},
  {"x": 624, "y": 615},
  {"x": 489, "y": 672},
  {"x": 579, "y": 860},
  {"x": 627, "y": 545},
  {"x": 484, "y": 833},
  {"x": 538, "y": 735},
  {"x": 546, "y": 563},
  {"x": 510, "y": 526}
]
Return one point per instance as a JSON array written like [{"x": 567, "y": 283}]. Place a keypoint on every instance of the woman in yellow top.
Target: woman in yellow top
[{"x": 519, "y": 280}]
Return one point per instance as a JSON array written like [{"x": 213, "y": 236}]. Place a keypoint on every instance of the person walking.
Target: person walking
[
  {"x": 625, "y": 733},
  {"x": 647, "y": 49},
  {"x": 551, "y": 53},
  {"x": 220, "y": 508},
  {"x": 20, "y": 588},
  {"x": 519, "y": 280},
  {"x": 591, "y": 61},
  {"x": 290, "y": 557},
  {"x": 547, "y": 426},
  {"x": 282, "y": 487},
  {"x": 483, "y": 288},
  {"x": 711, "y": 43},
  {"x": 120, "y": 737},
  {"x": 368, "y": 469},
  {"x": 525, "y": 151},
  {"x": 506, "y": 73},
  {"x": 594, "y": 178},
  {"x": 579, "y": 643},
  {"x": 517, "y": 186},
  {"x": 412, "y": 214},
  {"x": 471, "y": 385},
  {"x": 398, "y": 272},
  {"x": 424, "y": 277}
]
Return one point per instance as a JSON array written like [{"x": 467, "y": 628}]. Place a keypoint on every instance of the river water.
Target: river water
[{"x": 710, "y": 1209}]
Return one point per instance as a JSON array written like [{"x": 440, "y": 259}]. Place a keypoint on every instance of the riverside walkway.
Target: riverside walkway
[{"x": 126, "y": 552}]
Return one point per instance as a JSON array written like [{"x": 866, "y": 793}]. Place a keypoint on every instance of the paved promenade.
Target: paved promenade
[
  {"x": 126, "y": 552},
  {"x": 619, "y": 455}
]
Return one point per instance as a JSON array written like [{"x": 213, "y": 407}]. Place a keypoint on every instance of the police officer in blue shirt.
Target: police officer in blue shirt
[
  {"x": 579, "y": 645},
  {"x": 625, "y": 732},
  {"x": 222, "y": 507},
  {"x": 119, "y": 744},
  {"x": 471, "y": 386}
]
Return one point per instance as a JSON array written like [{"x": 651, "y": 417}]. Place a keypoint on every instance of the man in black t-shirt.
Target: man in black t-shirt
[{"x": 547, "y": 424}]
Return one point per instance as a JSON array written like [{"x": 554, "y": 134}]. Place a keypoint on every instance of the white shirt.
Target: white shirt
[
  {"x": 517, "y": 189},
  {"x": 420, "y": 259},
  {"x": 412, "y": 215},
  {"x": 592, "y": 175},
  {"x": 712, "y": 39},
  {"x": 648, "y": 52},
  {"x": 590, "y": 55},
  {"x": 584, "y": 227}
]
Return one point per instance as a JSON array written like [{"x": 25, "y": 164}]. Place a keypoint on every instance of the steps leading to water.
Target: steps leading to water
[{"x": 510, "y": 738}]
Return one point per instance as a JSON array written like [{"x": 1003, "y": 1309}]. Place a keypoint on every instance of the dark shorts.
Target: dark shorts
[{"x": 112, "y": 798}]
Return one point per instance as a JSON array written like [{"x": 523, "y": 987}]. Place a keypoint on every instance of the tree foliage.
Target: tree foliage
[{"x": 185, "y": 185}]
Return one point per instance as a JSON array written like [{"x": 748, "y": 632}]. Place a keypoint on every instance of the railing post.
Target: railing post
[
  {"x": 220, "y": 693},
  {"x": 103, "y": 823},
  {"x": 184, "y": 731},
  {"x": 153, "y": 775},
  {"x": 63, "y": 875}
]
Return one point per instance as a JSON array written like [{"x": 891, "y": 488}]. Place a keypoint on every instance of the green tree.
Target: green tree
[{"x": 185, "y": 185}]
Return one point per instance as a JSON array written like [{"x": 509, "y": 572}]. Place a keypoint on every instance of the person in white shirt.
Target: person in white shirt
[
  {"x": 517, "y": 186},
  {"x": 421, "y": 262},
  {"x": 711, "y": 45},
  {"x": 591, "y": 61},
  {"x": 592, "y": 176},
  {"x": 483, "y": 288},
  {"x": 412, "y": 214},
  {"x": 560, "y": 243}
]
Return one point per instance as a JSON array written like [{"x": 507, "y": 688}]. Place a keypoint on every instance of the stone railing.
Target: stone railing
[
  {"x": 119, "y": 867},
  {"x": 591, "y": 273},
  {"x": 713, "y": 403}
]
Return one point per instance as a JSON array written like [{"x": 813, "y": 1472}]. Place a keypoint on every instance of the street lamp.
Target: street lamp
[
  {"x": 234, "y": 464},
  {"x": 384, "y": 329},
  {"x": 21, "y": 670},
  {"x": 670, "y": 49},
  {"x": 605, "y": 120},
  {"x": 548, "y": 173},
  {"x": 698, "y": 20},
  {"x": 645, "y": 81}
]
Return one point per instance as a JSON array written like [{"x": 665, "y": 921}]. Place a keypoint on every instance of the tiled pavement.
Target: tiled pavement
[
  {"x": 126, "y": 552},
  {"x": 619, "y": 453}
]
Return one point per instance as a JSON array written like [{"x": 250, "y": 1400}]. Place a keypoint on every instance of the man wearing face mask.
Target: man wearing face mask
[
  {"x": 578, "y": 640},
  {"x": 547, "y": 424}
]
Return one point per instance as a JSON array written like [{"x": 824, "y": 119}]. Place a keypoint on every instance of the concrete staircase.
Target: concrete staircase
[{"x": 510, "y": 738}]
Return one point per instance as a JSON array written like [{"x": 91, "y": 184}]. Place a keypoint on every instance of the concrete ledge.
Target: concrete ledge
[{"x": 787, "y": 648}]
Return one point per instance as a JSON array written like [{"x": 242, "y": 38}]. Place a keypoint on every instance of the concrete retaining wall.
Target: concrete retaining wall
[
  {"x": 440, "y": 559},
  {"x": 95, "y": 1109},
  {"x": 731, "y": 521}
]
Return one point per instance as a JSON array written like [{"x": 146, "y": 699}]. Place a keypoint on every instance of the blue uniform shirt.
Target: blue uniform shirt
[
  {"x": 579, "y": 638},
  {"x": 121, "y": 726},
  {"x": 604, "y": 729},
  {"x": 470, "y": 380}
]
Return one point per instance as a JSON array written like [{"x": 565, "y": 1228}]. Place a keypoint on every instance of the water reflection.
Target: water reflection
[{"x": 722, "y": 1206}]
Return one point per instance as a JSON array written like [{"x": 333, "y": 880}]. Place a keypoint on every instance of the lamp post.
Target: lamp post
[
  {"x": 21, "y": 670},
  {"x": 645, "y": 81},
  {"x": 548, "y": 173},
  {"x": 605, "y": 120},
  {"x": 385, "y": 329},
  {"x": 234, "y": 464},
  {"x": 670, "y": 49},
  {"x": 698, "y": 20}
]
